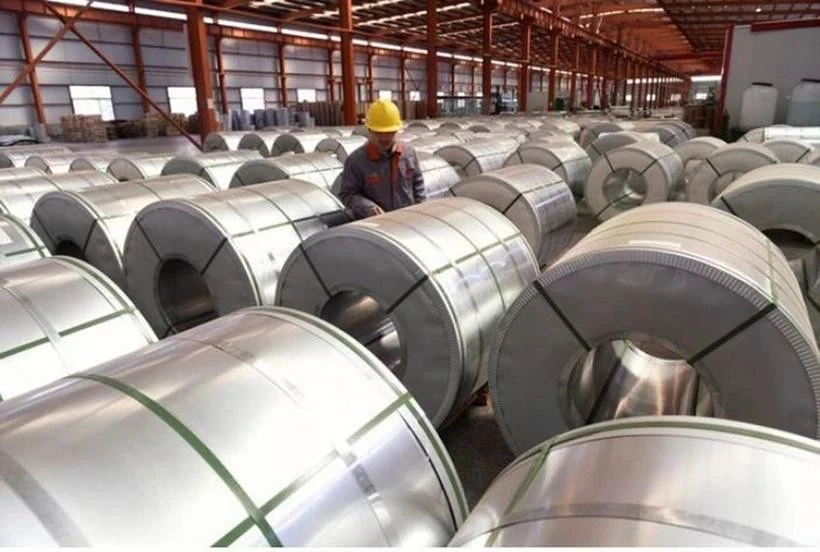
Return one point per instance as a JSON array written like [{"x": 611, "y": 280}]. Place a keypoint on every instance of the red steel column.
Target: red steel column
[
  {"x": 604, "y": 79},
  {"x": 348, "y": 64},
  {"x": 283, "y": 78},
  {"x": 331, "y": 78},
  {"x": 432, "y": 60},
  {"x": 591, "y": 73},
  {"x": 403, "y": 79},
  {"x": 220, "y": 74},
  {"x": 573, "y": 82},
  {"x": 524, "y": 77},
  {"x": 553, "y": 70},
  {"x": 486, "y": 61},
  {"x": 635, "y": 72},
  {"x": 136, "y": 44},
  {"x": 34, "y": 83},
  {"x": 201, "y": 69},
  {"x": 453, "y": 77},
  {"x": 370, "y": 83}
]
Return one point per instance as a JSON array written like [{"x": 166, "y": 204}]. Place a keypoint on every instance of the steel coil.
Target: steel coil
[
  {"x": 609, "y": 141},
  {"x": 492, "y": 126},
  {"x": 52, "y": 163},
  {"x": 724, "y": 166},
  {"x": 433, "y": 144},
  {"x": 18, "y": 244},
  {"x": 813, "y": 158},
  {"x": 61, "y": 316},
  {"x": 138, "y": 168},
  {"x": 422, "y": 287},
  {"x": 789, "y": 150},
  {"x": 19, "y": 173},
  {"x": 669, "y": 134},
  {"x": 567, "y": 159},
  {"x": 776, "y": 132},
  {"x": 98, "y": 161},
  {"x": 456, "y": 124},
  {"x": 297, "y": 142},
  {"x": 189, "y": 260},
  {"x": 638, "y": 174},
  {"x": 428, "y": 124},
  {"x": 242, "y": 432},
  {"x": 593, "y": 131},
  {"x": 692, "y": 153},
  {"x": 319, "y": 169},
  {"x": 18, "y": 197},
  {"x": 341, "y": 147},
  {"x": 261, "y": 141},
  {"x": 217, "y": 167},
  {"x": 478, "y": 156},
  {"x": 16, "y": 156},
  {"x": 564, "y": 125},
  {"x": 655, "y": 482},
  {"x": 92, "y": 224},
  {"x": 534, "y": 198},
  {"x": 362, "y": 130},
  {"x": 710, "y": 299},
  {"x": 223, "y": 141},
  {"x": 438, "y": 175}
]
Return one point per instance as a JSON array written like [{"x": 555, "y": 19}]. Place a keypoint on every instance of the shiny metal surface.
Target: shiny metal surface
[
  {"x": 654, "y": 481},
  {"x": 438, "y": 175},
  {"x": 609, "y": 141},
  {"x": 696, "y": 283},
  {"x": 18, "y": 244},
  {"x": 19, "y": 196},
  {"x": 261, "y": 141},
  {"x": 456, "y": 124},
  {"x": 223, "y": 141},
  {"x": 189, "y": 260},
  {"x": 98, "y": 161},
  {"x": 265, "y": 427},
  {"x": 692, "y": 153},
  {"x": 534, "y": 198},
  {"x": 687, "y": 129},
  {"x": 341, "y": 147},
  {"x": 637, "y": 174},
  {"x": 813, "y": 158},
  {"x": 343, "y": 131},
  {"x": 297, "y": 142},
  {"x": 138, "y": 168},
  {"x": 19, "y": 173},
  {"x": 216, "y": 167},
  {"x": 52, "y": 163},
  {"x": 567, "y": 159},
  {"x": 16, "y": 156},
  {"x": 444, "y": 272},
  {"x": 492, "y": 126},
  {"x": 478, "y": 156},
  {"x": 92, "y": 224},
  {"x": 564, "y": 125},
  {"x": 669, "y": 134},
  {"x": 592, "y": 131},
  {"x": 764, "y": 134},
  {"x": 60, "y": 316},
  {"x": 429, "y": 124},
  {"x": 320, "y": 169},
  {"x": 724, "y": 166},
  {"x": 433, "y": 144},
  {"x": 789, "y": 150}
]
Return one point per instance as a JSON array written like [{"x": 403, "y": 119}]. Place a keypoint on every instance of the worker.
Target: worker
[{"x": 382, "y": 175}]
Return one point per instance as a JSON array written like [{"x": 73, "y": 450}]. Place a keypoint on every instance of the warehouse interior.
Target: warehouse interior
[{"x": 409, "y": 273}]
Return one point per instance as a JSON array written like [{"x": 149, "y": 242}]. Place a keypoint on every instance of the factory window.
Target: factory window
[
  {"x": 650, "y": 97},
  {"x": 628, "y": 98},
  {"x": 701, "y": 95},
  {"x": 415, "y": 95},
  {"x": 182, "y": 99},
  {"x": 385, "y": 94},
  {"x": 252, "y": 98},
  {"x": 305, "y": 95},
  {"x": 92, "y": 100}
]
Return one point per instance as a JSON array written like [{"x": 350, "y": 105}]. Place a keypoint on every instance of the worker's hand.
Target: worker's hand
[{"x": 374, "y": 210}]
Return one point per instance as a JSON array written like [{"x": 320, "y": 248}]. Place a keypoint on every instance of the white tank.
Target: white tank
[
  {"x": 758, "y": 106},
  {"x": 804, "y": 107}
]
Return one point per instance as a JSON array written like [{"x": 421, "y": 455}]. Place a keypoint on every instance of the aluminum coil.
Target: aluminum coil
[
  {"x": 189, "y": 260},
  {"x": 61, "y": 316},
  {"x": 362, "y": 130},
  {"x": 18, "y": 244},
  {"x": 341, "y": 147},
  {"x": 789, "y": 150},
  {"x": 438, "y": 175},
  {"x": 813, "y": 158},
  {"x": 261, "y": 141},
  {"x": 52, "y": 163},
  {"x": 694, "y": 152},
  {"x": 217, "y": 167},
  {"x": 478, "y": 156},
  {"x": 567, "y": 159},
  {"x": 664, "y": 482},
  {"x": 776, "y": 132},
  {"x": 724, "y": 166},
  {"x": 138, "y": 168},
  {"x": 638, "y": 174},
  {"x": 98, "y": 161},
  {"x": 492, "y": 126},
  {"x": 669, "y": 134},
  {"x": 16, "y": 156},
  {"x": 593, "y": 131},
  {"x": 298, "y": 142},
  {"x": 19, "y": 173},
  {"x": 432, "y": 145},
  {"x": 613, "y": 140},
  {"x": 428, "y": 124},
  {"x": 265, "y": 427},
  {"x": 457, "y": 124},
  {"x": 92, "y": 224},
  {"x": 437, "y": 277},
  {"x": 342, "y": 131},
  {"x": 534, "y": 198},
  {"x": 710, "y": 298},
  {"x": 551, "y": 135},
  {"x": 18, "y": 197},
  {"x": 564, "y": 125},
  {"x": 223, "y": 141},
  {"x": 319, "y": 169}
]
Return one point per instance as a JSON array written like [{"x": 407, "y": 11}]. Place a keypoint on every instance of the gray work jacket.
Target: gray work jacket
[{"x": 391, "y": 180}]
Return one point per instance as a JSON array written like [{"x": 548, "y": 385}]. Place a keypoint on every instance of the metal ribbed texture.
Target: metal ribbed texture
[
  {"x": 217, "y": 167},
  {"x": 18, "y": 197},
  {"x": 724, "y": 166},
  {"x": 633, "y": 175},
  {"x": 764, "y": 134},
  {"x": 567, "y": 159},
  {"x": 92, "y": 224},
  {"x": 138, "y": 168},
  {"x": 789, "y": 150},
  {"x": 669, "y": 134},
  {"x": 96, "y": 161},
  {"x": 18, "y": 244},
  {"x": 19, "y": 173},
  {"x": 747, "y": 337},
  {"x": 298, "y": 142},
  {"x": 60, "y": 316},
  {"x": 438, "y": 175},
  {"x": 457, "y": 124},
  {"x": 478, "y": 156},
  {"x": 341, "y": 147},
  {"x": 429, "y": 124},
  {"x": 692, "y": 153},
  {"x": 189, "y": 260},
  {"x": 613, "y": 140},
  {"x": 320, "y": 169},
  {"x": 52, "y": 163},
  {"x": 492, "y": 126},
  {"x": 433, "y": 144},
  {"x": 655, "y": 482},
  {"x": 242, "y": 432},
  {"x": 441, "y": 273},
  {"x": 16, "y": 156},
  {"x": 567, "y": 127},
  {"x": 223, "y": 141},
  {"x": 593, "y": 131},
  {"x": 534, "y": 198},
  {"x": 260, "y": 141}
]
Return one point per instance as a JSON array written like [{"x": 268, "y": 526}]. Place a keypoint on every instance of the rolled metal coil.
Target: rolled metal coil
[
  {"x": 457, "y": 124},
  {"x": 692, "y": 153},
  {"x": 613, "y": 140},
  {"x": 260, "y": 444},
  {"x": 18, "y": 197},
  {"x": 669, "y": 134},
  {"x": 439, "y": 175},
  {"x": 91, "y": 224},
  {"x": 653, "y": 493},
  {"x": 189, "y": 260},
  {"x": 637, "y": 174},
  {"x": 564, "y": 125},
  {"x": 362, "y": 130},
  {"x": 217, "y": 167},
  {"x": 61, "y": 316},
  {"x": 319, "y": 169},
  {"x": 777, "y": 132},
  {"x": 341, "y": 131},
  {"x": 261, "y": 141},
  {"x": 223, "y": 141},
  {"x": 433, "y": 144},
  {"x": 492, "y": 126},
  {"x": 567, "y": 159},
  {"x": 341, "y": 147},
  {"x": 438, "y": 277},
  {"x": 16, "y": 156},
  {"x": 789, "y": 150},
  {"x": 534, "y": 198},
  {"x": 52, "y": 163},
  {"x": 744, "y": 350},
  {"x": 138, "y": 168},
  {"x": 297, "y": 142},
  {"x": 724, "y": 166},
  {"x": 813, "y": 158},
  {"x": 19, "y": 173},
  {"x": 428, "y": 124},
  {"x": 550, "y": 135},
  {"x": 593, "y": 131},
  {"x": 99, "y": 161},
  {"x": 687, "y": 129},
  {"x": 478, "y": 156},
  {"x": 18, "y": 243}
]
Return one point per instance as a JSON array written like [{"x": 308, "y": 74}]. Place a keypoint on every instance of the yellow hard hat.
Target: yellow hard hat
[{"x": 383, "y": 116}]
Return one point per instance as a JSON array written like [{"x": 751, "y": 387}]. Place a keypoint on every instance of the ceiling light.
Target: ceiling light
[{"x": 758, "y": 10}]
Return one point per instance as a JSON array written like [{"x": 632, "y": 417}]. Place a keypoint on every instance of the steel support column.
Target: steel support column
[
  {"x": 403, "y": 80},
  {"x": 591, "y": 73},
  {"x": 573, "y": 82},
  {"x": 604, "y": 79},
  {"x": 635, "y": 89},
  {"x": 331, "y": 77},
  {"x": 524, "y": 76},
  {"x": 220, "y": 73},
  {"x": 472, "y": 79},
  {"x": 641, "y": 96},
  {"x": 201, "y": 70},
  {"x": 486, "y": 57},
  {"x": 554, "y": 44},
  {"x": 348, "y": 64},
  {"x": 370, "y": 93},
  {"x": 432, "y": 59},
  {"x": 283, "y": 78},
  {"x": 139, "y": 62},
  {"x": 34, "y": 83},
  {"x": 453, "y": 78}
]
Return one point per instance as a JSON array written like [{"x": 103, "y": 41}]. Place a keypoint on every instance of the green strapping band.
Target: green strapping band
[
  {"x": 25, "y": 346},
  {"x": 91, "y": 323},
  {"x": 204, "y": 452}
]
